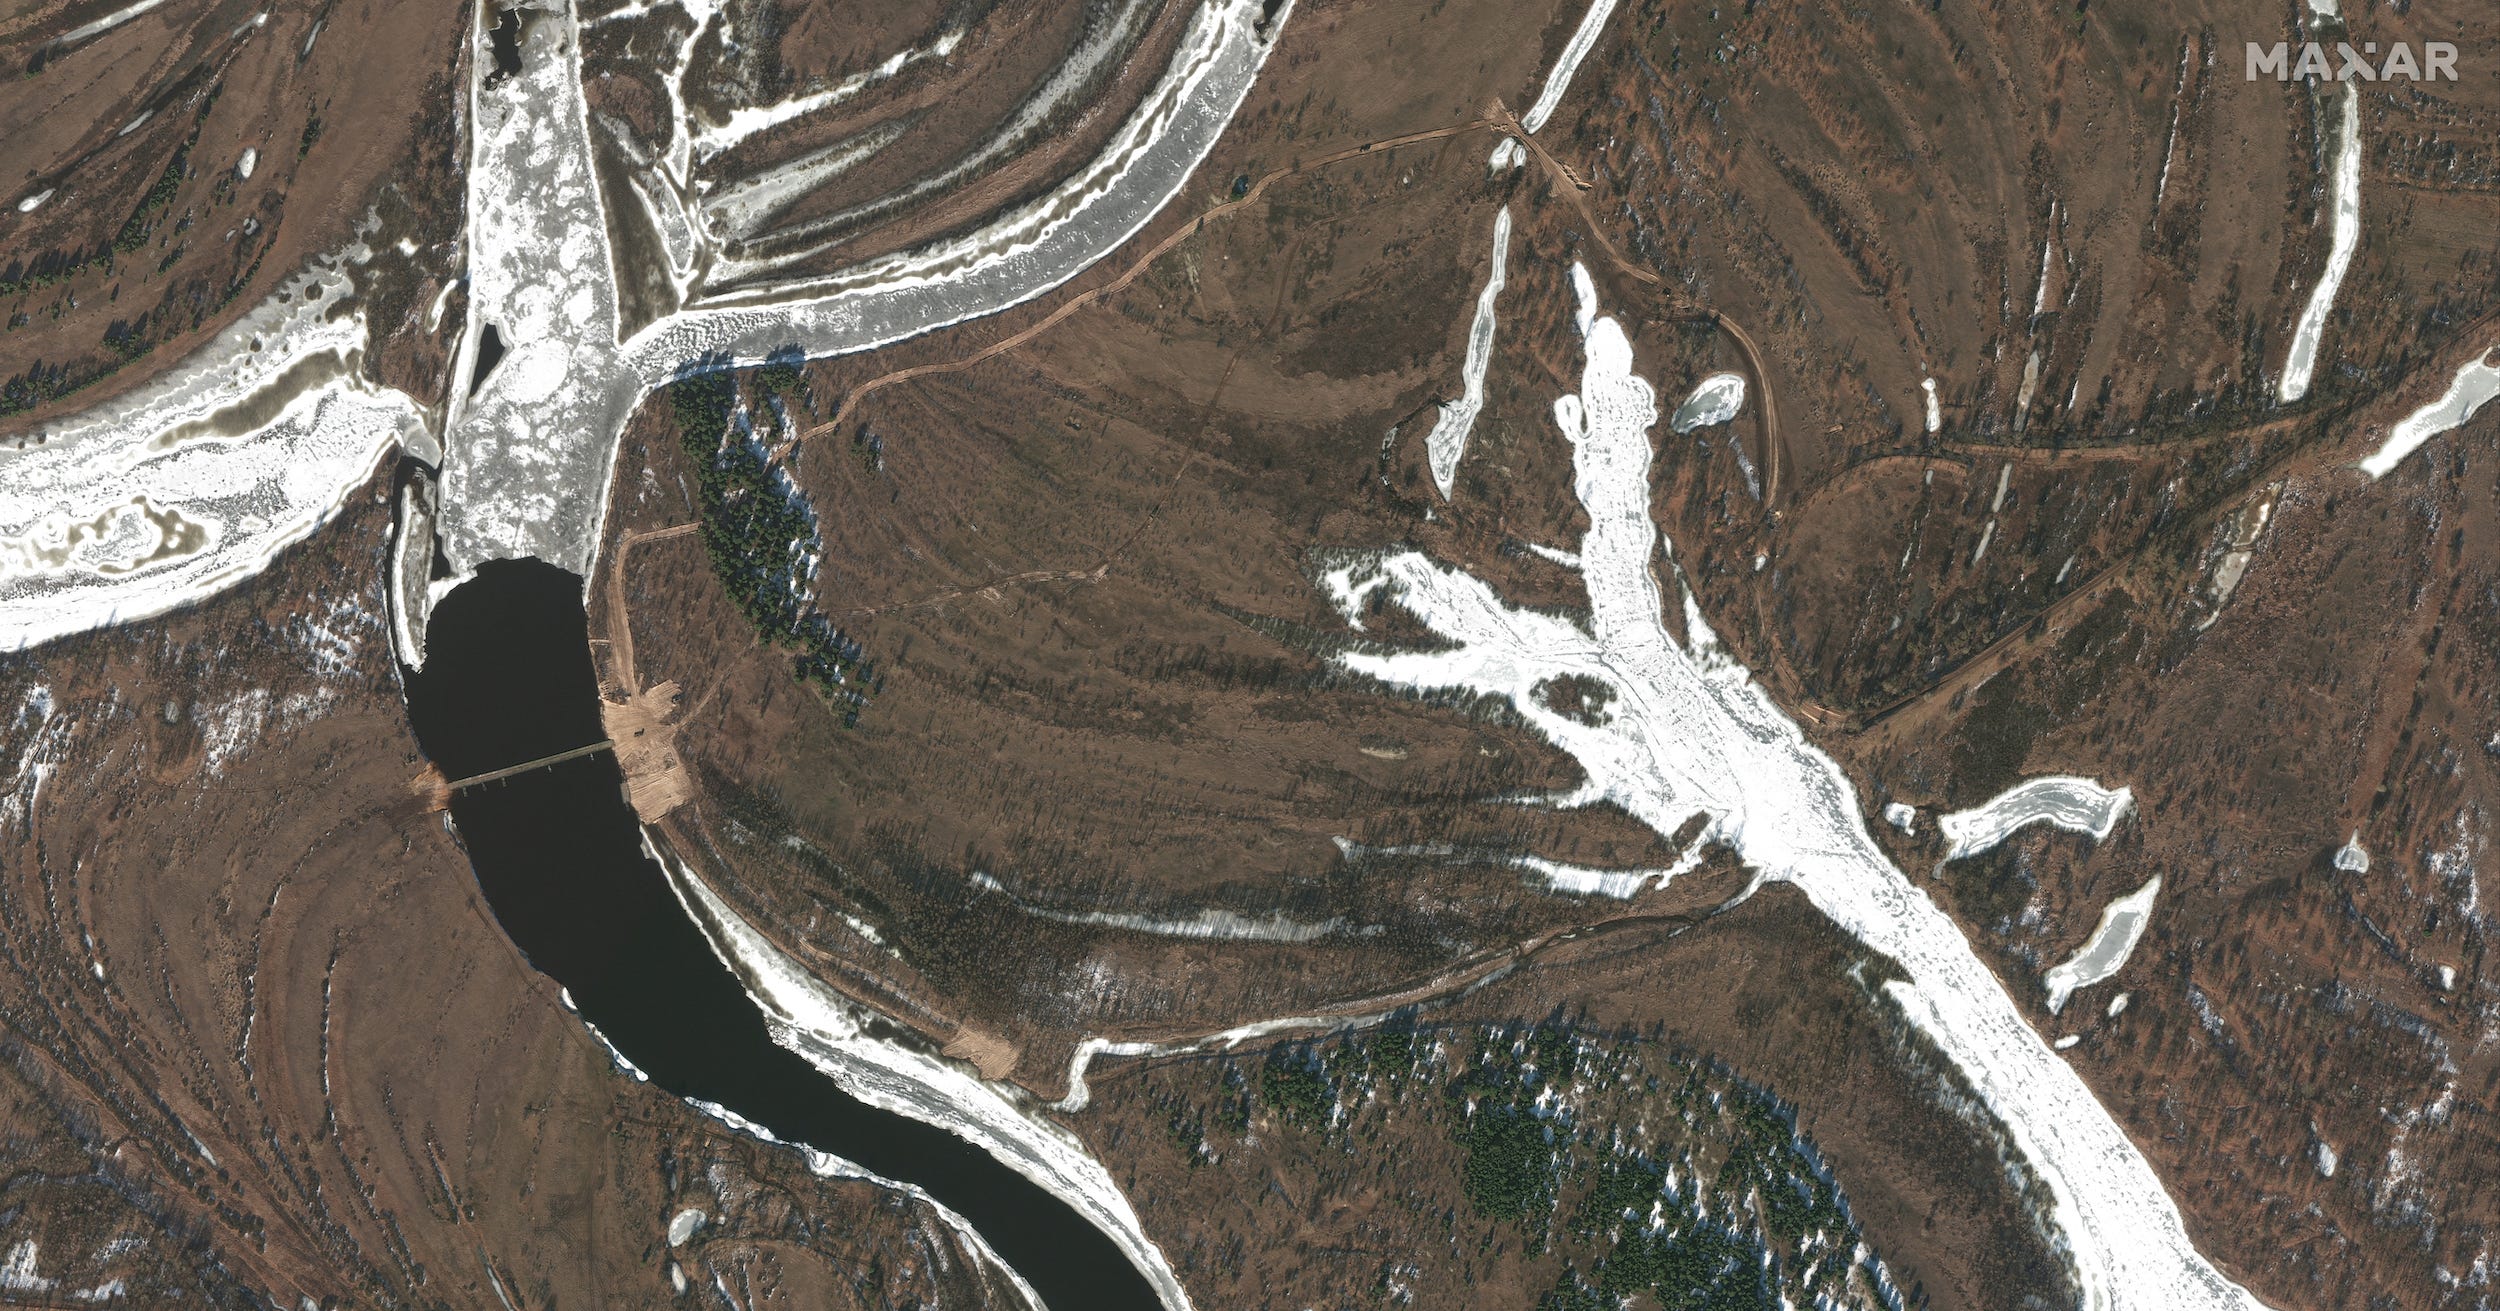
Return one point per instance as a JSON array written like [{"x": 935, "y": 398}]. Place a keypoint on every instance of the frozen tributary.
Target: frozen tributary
[
  {"x": 2106, "y": 951},
  {"x": 2344, "y": 180},
  {"x": 2475, "y": 383},
  {"x": 1716, "y": 399},
  {"x": 2077, "y": 805},
  {"x": 1692, "y": 734},
  {"x": 528, "y": 461},
  {"x": 1448, "y": 439},
  {"x": 195, "y": 480}
]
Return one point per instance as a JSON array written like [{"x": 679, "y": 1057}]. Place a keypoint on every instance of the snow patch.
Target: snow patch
[
  {"x": 831, "y": 1033},
  {"x": 2476, "y": 382},
  {"x": 1694, "y": 735},
  {"x": 2345, "y": 238},
  {"x": 2078, "y": 805},
  {"x": 1448, "y": 439},
  {"x": 1715, "y": 400},
  {"x": 2106, "y": 951}
]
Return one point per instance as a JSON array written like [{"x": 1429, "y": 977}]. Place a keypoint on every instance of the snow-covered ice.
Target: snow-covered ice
[
  {"x": 2476, "y": 382},
  {"x": 1448, "y": 439},
  {"x": 2077, "y": 805},
  {"x": 1583, "y": 39},
  {"x": 2344, "y": 238},
  {"x": 527, "y": 466},
  {"x": 1935, "y": 411},
  {"x": 1693, "y": 734},
  {"x": 2106, "y": 951},
  {"x": 683, "y": 1225},
  {"x": 1715, "y": 400},
  {"x": 1509, "y": 153},
  {"x": 34, "y": 202},
  {"x": 198, "y": 478},
  {"x": 107, "y": 23}
]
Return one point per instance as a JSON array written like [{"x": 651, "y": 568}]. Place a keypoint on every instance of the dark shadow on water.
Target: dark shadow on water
[
  {"x": 506, "y": 38},
  {"x": 489, "y": 354},
  {"x": 508, "y": 678}
]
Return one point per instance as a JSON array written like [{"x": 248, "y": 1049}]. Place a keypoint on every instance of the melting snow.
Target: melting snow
[
  {"x": 2352, "y": 857},
  {"x": 1715, "y": 400},
  {"x": 2477, "y": 381},
  {"x": 1695, "y": 735},
  {"x": 1902, "y": 815},
  {"x": 17, "y": 1273},
  {"x": 199, "y": 478},
  {"x": 683, "y": 1225},
  {"x": 1448, "y": 439},
  {"x": 2346, "y": 237},
  {"x": 832, "y": 1033},
  {"x": 106, "y": 23}
]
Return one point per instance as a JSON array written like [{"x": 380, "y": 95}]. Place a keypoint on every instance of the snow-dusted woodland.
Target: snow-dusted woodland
[
  {"x": 1692, "y": 734},
  {"x": 1448, "y": 439},
  {"x": 2344, "y": 176},
  {"x": 2104, "y": 953},
  {"x": 195, "y": 481},
  {"x": 2077, "y": 805}
]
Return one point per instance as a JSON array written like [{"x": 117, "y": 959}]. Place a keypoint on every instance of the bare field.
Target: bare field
[
  {"x": 1077, "y": 545},
  {"x": 267, "y": 1045},
  {"x": 153, "y": 231}
]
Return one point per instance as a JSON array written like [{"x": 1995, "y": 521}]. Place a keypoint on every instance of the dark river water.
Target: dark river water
[{"x": 508, "y": 678}]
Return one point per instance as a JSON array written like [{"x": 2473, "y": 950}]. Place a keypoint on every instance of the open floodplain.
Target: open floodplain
[{"x": 1248, "y": 650}]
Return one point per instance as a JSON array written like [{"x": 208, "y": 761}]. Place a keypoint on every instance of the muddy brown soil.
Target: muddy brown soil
[
  {"x": 152, "y": 238},
  {"x": 1082, "y": 572},
  {"x": 264, "y": 1043}
]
